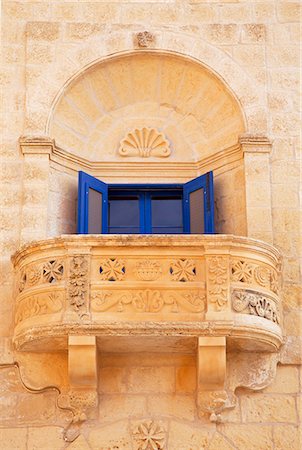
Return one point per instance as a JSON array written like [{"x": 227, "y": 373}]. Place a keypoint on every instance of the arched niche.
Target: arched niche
[
  {"x": 178, "y": 96},
  {"x": 183, "y": 100}
]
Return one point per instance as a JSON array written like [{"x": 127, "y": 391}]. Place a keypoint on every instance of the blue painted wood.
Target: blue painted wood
[
  {"x": 204, "y": 182},
  {"x": 85, "y": 183},
  {"x": 145, "y": 192}
]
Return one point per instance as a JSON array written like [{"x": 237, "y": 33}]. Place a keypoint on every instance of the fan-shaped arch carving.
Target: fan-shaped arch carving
[{"x": 180, "y": 98}]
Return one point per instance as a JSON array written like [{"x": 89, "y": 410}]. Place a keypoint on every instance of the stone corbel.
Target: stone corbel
[
  {"x": 211, "y": 376},
  {"x": 82, "y": 369}
]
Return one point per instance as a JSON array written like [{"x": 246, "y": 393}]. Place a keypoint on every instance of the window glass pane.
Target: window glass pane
[
  {"x": 197, "y": 212},
  {"x": 94, "y": 212},
  {"x": 123, "y": 212},
  {"x": 166, "y": 212}
]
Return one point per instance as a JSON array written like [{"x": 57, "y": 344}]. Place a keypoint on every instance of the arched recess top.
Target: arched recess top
[{"x": 180, "y": 98}]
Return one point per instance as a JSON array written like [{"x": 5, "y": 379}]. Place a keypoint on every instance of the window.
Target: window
[{"x": 145, "y": 208}]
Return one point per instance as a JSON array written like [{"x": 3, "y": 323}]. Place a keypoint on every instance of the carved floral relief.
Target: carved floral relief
[
  {"x": 149, "y": 435},
  {"x": 148, "y": 301},
  {"x": 47, "y": 272},
  {"x": 218, "y": 281},
  {"x": 249, "y": 273},
  {"x": 78, "y": 284},
  {"x": 112, "y": 269},
  {"x": 183, "y": 270},
  {"x": 257, "y": 304}
]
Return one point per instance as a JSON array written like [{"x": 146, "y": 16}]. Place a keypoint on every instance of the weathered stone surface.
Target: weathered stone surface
[
  {"x": 263, "y": 408},
  {"x": 249, "y": 437},
  {"x": 287, "y": 437},
  {"x": 48, "y": 438},
  {"x": 183, "y": 436},
  {"x": 13, "y": 438}
]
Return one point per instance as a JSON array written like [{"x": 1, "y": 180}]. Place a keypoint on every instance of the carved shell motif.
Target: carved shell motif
[{"x": 145, "y": 142}]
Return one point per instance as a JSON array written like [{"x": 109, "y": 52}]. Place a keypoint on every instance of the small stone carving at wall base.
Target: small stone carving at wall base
[{"x": 149, "y": 435}]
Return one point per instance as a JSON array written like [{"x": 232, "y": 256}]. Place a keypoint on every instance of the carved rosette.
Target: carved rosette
[
  {"x": 145, "y": 39},
  {"x": 78, "y": 285},
  {"x": 257, "y": 304},
  {"x": 149, "y": 435},
  {"x": 183, "y": 270},
  {"x": 145, "y": 142},
  {"x": 217, "y": 277},
  {"x": 112, "y": 269},
  {"x": 148, "y": 301},
  {"x": 246, "y": 272},
  {"x": 48, "y": 272}
]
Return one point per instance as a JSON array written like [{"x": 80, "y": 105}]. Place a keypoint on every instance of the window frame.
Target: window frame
[{"x": 87, "y": 182}]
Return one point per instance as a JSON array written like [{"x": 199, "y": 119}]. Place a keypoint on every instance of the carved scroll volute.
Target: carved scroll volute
[{"x": 218, "y": 286}]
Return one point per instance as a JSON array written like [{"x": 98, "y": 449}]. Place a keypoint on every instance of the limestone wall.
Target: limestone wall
[{"x": 252, "y": 47}]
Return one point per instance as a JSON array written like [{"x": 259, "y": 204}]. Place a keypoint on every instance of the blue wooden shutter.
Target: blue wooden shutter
[
  {"x": 92, "y": 205},
  {"x": 198, "y": 205}
]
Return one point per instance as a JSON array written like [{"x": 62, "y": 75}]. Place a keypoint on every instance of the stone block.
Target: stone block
[
  {"x": 236, "y": 13},
  {"x": 293, "y": 322},
  {"x": 116, "y": 407},
  {"x": 289, "y": 11},
  {"x": 36, "y": 408},
  {"x": 250, "y": 55},
  {"x": 286, "y": 381},
  {"x": 219, "y": 442},
  {"x": 287, "y": 437},
  {"x": 14, "y": 438},
  {"x": 113, "y": 436},
  {"x": 186, "y": 379},
  {"x": 291, "y": 352},
  {"x": 184, "y": 436},
  {"x": 178, "y": 406},
  {"x": 37, "y": 53},
  {"x": 263, "y": 408},
  {"x": 112, "y": 380},
  {"x": 43, "y": 31},
  {"x": 149, "y": 379},
  {"x": 253, "y": 32},
  {"x": 248, "y": 437},
  {"x": 265, "y": 11},
  {"x": 46, "y": 438},
  {"x": 223, "y": 34},
  {"x": 78, "y": 31}
]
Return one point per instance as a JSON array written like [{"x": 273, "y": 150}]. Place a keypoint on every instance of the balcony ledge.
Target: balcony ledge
[
  {"x": 208, "y": 294},
  {"x": 144, "y": 285}
]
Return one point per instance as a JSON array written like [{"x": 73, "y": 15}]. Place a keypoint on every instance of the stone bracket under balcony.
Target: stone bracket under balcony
[{"x": 215, "y": 293}]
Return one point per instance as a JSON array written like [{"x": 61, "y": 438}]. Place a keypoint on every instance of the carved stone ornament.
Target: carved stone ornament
[
  {"x": 248, "y": 273},
  {"x": 149, "y": 435},
  {"x": 148, "y": 301},
  {"x": 183, "y": 270},
  {"x": 148, "y": 270},
  {"x": 37, "y": 305},
  {"x": 112, "y": 269},
  {"x": 78, "y": 285},
  {"x": 256, "y": 304},
  {"x": 217, "y": 281},
  {"x": 145, "y": 39},
  {"x": 52, "y": 271},
  {"x": 145, "y": 142}
]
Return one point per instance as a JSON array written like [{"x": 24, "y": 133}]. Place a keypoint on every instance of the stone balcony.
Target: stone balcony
[
  {"x": 144, "y": 285},
  {"x": 215, "y": 295}
]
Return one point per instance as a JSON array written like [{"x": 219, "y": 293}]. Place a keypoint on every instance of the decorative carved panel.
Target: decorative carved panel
[
  {"x": 180, "y": 285},
  {"x": 145, "y": 142}
]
